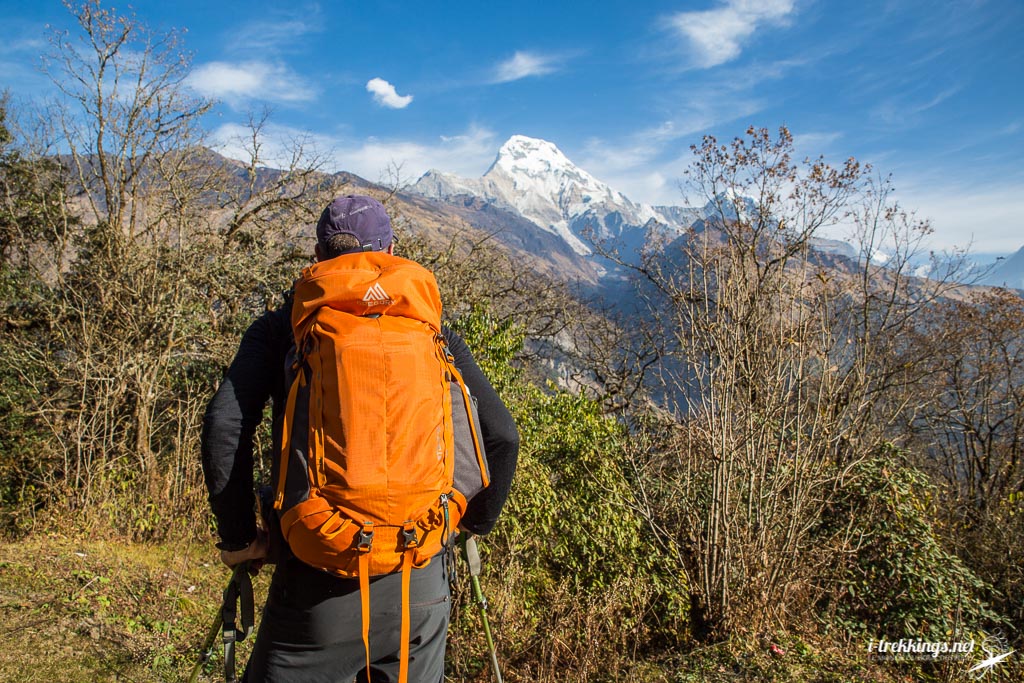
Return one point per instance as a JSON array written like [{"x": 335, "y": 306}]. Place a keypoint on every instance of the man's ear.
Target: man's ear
[{"x": 391, "y": 249}]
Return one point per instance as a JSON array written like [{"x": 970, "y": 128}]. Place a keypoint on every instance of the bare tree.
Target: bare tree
[
  {"x": 176, "y": 249},
  {"x": 971, "y": 436},
  {"x": 777, "y": 357}
]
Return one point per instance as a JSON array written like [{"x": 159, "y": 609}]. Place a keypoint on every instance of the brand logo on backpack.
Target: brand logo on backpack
[{"x": 376, "y": 295}]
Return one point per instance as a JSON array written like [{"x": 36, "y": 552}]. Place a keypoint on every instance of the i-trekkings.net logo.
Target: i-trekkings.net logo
[
  {"x": 918, "y": 649},
  {"x": 993, "y": 647}
]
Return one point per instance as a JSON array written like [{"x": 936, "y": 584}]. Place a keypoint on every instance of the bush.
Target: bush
[
  {"x": 573, "y": 574},
  {"x": 891, "y": 574}
]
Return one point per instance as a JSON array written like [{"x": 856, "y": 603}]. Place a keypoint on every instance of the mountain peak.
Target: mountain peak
[
  {"x": 521, "y": 145},
  {"x": 532, "y": 156},
  {"x": 533, "y": 178}
]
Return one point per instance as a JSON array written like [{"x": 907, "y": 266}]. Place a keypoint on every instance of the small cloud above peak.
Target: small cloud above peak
[
  {"x": 717, "y": 36},
  {"x": 385, "y": 94},
  {"x": 524, "y": 65}
]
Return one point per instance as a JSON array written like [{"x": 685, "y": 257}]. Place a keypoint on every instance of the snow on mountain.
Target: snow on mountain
[{"x": 536, "y": 180}]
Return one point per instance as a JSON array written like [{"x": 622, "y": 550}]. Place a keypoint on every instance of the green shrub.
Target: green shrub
[{"x": 893, "y": 577}]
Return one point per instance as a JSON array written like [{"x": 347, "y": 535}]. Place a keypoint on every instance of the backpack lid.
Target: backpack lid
[{"x": 367, "y": 283}]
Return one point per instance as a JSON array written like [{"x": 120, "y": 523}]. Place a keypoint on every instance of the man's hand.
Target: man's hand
[{"x": 255, "y": 553}]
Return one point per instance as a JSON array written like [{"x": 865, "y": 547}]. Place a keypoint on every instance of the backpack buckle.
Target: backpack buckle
[
  {"x": 443, "y": 343},
  {"x": 365, "y": 538},
  {"x": 409, "y": 537}
]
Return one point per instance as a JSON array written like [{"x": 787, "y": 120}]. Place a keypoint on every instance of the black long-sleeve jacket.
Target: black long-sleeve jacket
[{"x": 257, "y": 373}]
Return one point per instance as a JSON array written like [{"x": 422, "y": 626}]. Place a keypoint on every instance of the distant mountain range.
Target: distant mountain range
[
  {"x": 533, "y": 181},
  {"x": 535, "y": 199}
]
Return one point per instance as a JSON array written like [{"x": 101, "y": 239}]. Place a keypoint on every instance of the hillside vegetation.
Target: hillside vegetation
[{"x": 774, "y": 463}]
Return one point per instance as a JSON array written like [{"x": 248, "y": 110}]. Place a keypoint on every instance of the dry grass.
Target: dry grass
[{"x": 86, "y": 610}]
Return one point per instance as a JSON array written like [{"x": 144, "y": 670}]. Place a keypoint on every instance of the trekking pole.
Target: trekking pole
[
  {"x": 239, "y": 588},
  {"x": 207, "y": 652},
  {"x": 472, "y": 557}
]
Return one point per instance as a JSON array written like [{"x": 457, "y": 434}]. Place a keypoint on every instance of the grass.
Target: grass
[
  {"x": 83, "y": 610},
  {"x": 95, "y": 610}
]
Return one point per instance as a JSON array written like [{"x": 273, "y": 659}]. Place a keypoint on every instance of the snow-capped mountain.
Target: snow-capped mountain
[{"x": 534, "y": 179}]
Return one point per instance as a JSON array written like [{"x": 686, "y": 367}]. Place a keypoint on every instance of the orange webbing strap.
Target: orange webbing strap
[
  {"x": 403, "y": 657},
  {"x": 364, "y": 595},
  {"x": 286, "y": 436}
]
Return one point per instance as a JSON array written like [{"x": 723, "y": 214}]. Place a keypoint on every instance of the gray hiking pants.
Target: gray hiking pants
[{"x": 311, "y": 630}]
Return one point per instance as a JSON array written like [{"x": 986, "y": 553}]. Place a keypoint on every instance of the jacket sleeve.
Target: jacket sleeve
[
  {"x": 229, "y": 424},
  {"x": 501, "y": 440}
]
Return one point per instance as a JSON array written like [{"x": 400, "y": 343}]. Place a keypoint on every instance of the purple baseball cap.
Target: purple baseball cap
[{"x": 362, "y": 217}]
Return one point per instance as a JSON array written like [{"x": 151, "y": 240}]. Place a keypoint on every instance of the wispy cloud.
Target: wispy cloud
[
  {"x": 717, "y": 36},
  {"x": 647, "y": 164},
  {"x": 385, "y": 94},
  {"x": 468, "y": 153},
  {"x": 236, "y": 83},
  {"x": 524, "y": 65},
  {"x": 285, "y": 32},
  {"x": 904, "y": 110},
  {"x": 815, "y": 144},
  {"x": 20, "y": 45}
]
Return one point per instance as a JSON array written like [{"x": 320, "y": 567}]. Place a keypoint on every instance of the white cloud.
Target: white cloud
[
  {"x": 238, "y": 82},
  {"x": 815, "y": 144},
  {"x": 717, "y": 36},
  {"x": 19, "y": 45},
  {"x": 524, "y": 65},
  {"x": 466, "y": 154},
  {"x": 385, "y": 94}
]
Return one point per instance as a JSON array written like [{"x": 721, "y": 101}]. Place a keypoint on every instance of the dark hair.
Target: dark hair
[{"x": 336, "y": 245}]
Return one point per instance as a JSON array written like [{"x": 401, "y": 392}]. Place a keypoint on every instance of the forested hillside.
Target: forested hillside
[{"x": 773, "y": 463}]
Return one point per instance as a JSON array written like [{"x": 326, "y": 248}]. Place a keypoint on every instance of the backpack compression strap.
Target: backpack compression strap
[
  {"x": 410, "y": 543},
  {"x": 365, "y": 541}
]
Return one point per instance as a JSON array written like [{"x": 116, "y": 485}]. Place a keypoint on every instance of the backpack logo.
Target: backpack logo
[{"x": 376, "y": 295}]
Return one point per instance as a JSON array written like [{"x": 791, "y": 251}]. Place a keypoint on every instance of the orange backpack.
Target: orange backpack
[{"x": 377, "y": 416}]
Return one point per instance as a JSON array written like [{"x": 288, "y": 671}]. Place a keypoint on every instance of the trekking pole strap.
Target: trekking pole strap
[{"x": 237, "y": 594}]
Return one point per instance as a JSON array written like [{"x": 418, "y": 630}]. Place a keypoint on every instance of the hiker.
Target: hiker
[{"x": 312, "y": 625}]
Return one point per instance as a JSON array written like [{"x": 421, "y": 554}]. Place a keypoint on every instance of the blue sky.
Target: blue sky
[{"x": 931, "y": 91}]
